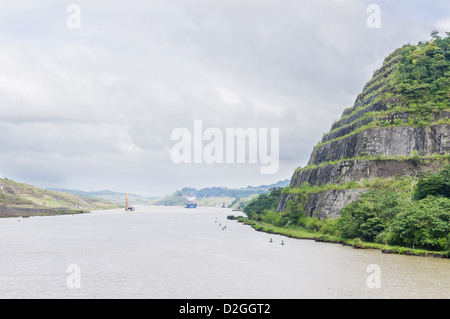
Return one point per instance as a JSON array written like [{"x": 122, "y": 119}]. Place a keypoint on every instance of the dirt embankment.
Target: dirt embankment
[{"x": 11, "y": 211}]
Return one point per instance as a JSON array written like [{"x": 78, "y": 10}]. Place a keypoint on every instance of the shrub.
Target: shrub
[
  {"x": 258, "y": 206},
  {"x": 437, "y": 184},
  {"x": 357, "y": 243},
  {"x": 329, "y": 226},
  {"x": 369, "y": 216},
  {"x": 272, "y": 218},
  {"x": 312, "y": 224},
  {"x": 425, "y": 224}
]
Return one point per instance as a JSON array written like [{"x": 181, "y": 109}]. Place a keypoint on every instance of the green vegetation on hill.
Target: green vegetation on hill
[
  {"x": 395, "y": 216},
  {"x": 411, "y": 89},
  {"x": 263, "y": 203},
  {"x": 409, "y": 208},
  {"x": 20, "y": 199},
  {"x": 115, "y": 197},
  {"x": 423, "y": 78},
  {"x": 437, "y": 184},
  {"x": 406, "y": 211}
]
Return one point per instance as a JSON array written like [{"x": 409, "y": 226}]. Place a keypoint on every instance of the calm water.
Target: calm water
[{"x": 178, "y": 253}]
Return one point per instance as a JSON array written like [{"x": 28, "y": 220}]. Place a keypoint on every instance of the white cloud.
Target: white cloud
[
  {"x": 443, "y": 25},
  {"x": 228, "y": 96},
  {"x": 98, "y": 103}
]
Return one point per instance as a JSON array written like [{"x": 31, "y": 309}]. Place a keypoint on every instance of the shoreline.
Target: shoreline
[
  {"x": 33, "y": 212},
  {"x": 299, "y": 233}
]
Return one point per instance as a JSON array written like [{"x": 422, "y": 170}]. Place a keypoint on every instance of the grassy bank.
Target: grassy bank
[
  {"x": 23, "y": 200},
  {"x": 302, "y": 233},
  {"x": 25, "y": 213}
]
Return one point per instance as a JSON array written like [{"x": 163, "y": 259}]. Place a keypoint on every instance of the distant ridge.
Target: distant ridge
[
  {"x": 231, "y": 192},
  {"x": 115, "y": 197},
  {"x": 209, "y": 196},
  {"x": 215, "y": 196}
]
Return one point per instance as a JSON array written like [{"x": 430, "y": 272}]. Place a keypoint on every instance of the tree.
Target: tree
[
  {"x": 446, "y": 177},
  {"x": 437, "y": 184},
  {"x": 369, "y": 216},
  {"x": 258, "y": 206},
  {"x": 424, "y": 224},
  {"x": 430, "y": 185},
  {"x": 435, "y": 34}
]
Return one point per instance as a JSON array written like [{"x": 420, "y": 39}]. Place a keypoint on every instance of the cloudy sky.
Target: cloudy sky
[{"x": 90, "y": 94}]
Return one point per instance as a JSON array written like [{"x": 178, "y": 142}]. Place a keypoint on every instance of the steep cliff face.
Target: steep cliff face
[
  {"x": 347, "y": 171},
  {"x": 389, "y": 141},
  {"x": 323, "y": 204},
  {"x": 398, "y": 126}
]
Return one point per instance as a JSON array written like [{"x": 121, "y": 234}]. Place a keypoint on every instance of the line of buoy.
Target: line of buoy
[
  {"x": 271, "y": 241},
  {"x": 220, "y": 224}
]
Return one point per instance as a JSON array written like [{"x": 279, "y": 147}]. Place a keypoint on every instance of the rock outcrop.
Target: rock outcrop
[
  {"x": 384, "y": 135},
  {"x": 324, "y": 204}
]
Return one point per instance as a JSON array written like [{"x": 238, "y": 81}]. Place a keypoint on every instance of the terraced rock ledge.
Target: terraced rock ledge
[{"x": 393, "y": 129}]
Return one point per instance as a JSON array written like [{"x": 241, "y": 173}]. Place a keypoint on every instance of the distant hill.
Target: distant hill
[
  {"x": 20, "y": 199},
  {"x": 209, "y": 197},
  {"x": 230, "y": 192},
  {"x": 215, "y": 196},
  {"x": 115, "y": 197}
]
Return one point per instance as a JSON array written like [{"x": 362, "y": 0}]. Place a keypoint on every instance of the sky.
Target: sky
[{"x": 91, "y": 91}]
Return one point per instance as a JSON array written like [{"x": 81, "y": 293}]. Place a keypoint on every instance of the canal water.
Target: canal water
[{"x": 173, "y": 252}]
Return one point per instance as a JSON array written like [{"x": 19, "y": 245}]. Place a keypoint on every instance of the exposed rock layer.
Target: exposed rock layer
[
  {"x": 323, "y": 204},
  {"x": 357, "y": 170}
]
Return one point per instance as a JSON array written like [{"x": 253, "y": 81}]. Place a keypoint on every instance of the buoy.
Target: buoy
[
  {"x": 282, "y": 242},
  {"x": 271, "y": 240}
]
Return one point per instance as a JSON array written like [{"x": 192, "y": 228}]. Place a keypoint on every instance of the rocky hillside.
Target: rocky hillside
[
  {"x": 19, "y": 199},
  {"x": 398, "y": 126}
]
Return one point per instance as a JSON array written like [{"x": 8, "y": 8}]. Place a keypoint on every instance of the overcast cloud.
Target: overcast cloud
[{"x": 94, "y": 107}]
